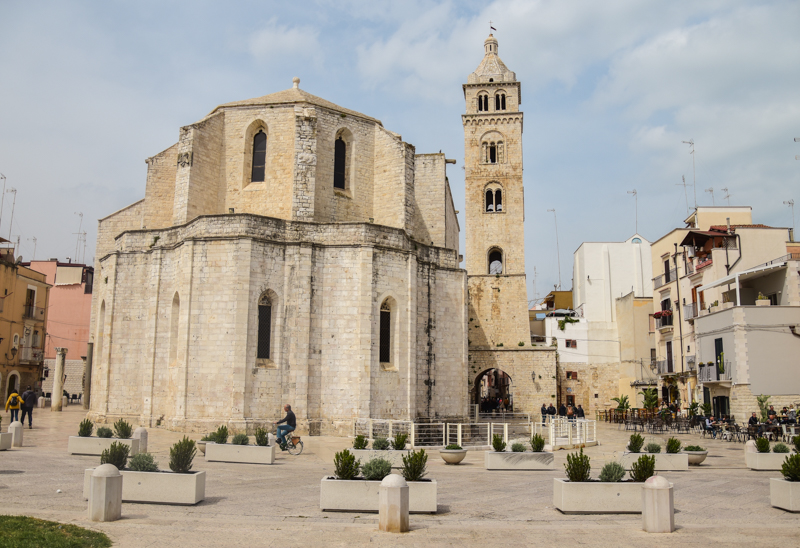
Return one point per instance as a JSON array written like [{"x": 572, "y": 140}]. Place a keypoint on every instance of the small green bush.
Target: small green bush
[
  {"x": 399, "y": 442},
  {"x": 104, "y": 432},
  {"x": 517, "y": 448},
  {"x": 122, "y": 429},
  {"x": 643, "y": 468},
  {"x": 498, "y": 444},
  {"x": 116, "y": 454},
  {"x": 673, "y": 445},
  {"x": 453, "y": 447},
  {"x": 376, "y": 469},
  {"x": 380, "y": 444},
  {"x": 791, "y": 468},
  {"x": 143, "y": 462},
  {"x": 537, "y": 443},
  {"x": 612, "y": 472},
  {"x": 262, "y": 437},
  {"x": 780, "y": 448},
  {"x": 240, "y": 439},
  {"x": 652, "y": 448},
  {"x": 762, "y": 445},
  {"x": 208, "y": 437},
  {"x": 85, "y": 429},
  {"x": 345, "y": 465},
  {"x": 181, "y": 456},
  {"x": 635, "y": 443},
  {"x": 360, "y": 442},
  {"x": 796, "y": 442},
  {"x": 221, "y": 435},
  {"x": 578, "y": 468},
  {"x": 693, "y": 448},
  {"x": 414, "y": 465}
]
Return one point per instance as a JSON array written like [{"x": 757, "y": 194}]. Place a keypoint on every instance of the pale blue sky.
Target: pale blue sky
[{"x": 610, "y": 89}]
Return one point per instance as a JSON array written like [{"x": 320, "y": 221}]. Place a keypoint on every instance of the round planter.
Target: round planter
[
  {"x": 453, "y": 456},
  {"x": 201, "y": 445},
  {"x": 696, "y": 457}
]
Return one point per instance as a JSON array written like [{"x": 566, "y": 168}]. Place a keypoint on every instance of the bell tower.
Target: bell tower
[{"x": 495, "y": 239}]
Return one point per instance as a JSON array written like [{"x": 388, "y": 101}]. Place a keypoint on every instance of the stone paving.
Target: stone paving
[{"x": 261, "y": 505}]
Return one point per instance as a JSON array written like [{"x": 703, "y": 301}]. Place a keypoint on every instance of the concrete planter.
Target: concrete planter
[
  {"x": 762, "y": 302},
  {"x": 665, "y": 462},
  {"x": 360, "y": 495},
  {"x": 764, "y": 461},
  {"x": 784, "y": 494},
  {"x": 95, "y": 446},
  {"x": 5, "y": 441},
  {"x": 508, "y": 460},
  {"x": 157, "y": 487},
  {"x": 594, "y": 497},
  {"x": 201, "y": 446},
  {"x": 395, "y": 457},
  {"x": 452, "y": 456},
  {"x": 696, "y": 457},
  {"x": 249, "y": 454}
]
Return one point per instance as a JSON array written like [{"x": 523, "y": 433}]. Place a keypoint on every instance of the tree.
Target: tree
[
  {"x": 622, "y": 403},
  {"x": 650, "y": 398},
  {"x": 763, "y": 405}
]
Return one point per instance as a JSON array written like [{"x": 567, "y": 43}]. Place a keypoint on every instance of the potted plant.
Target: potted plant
[
  {"x": 785, "y": 493},
  {"x": 391, "y": 450},
  {"x": 453, "y": 454},
  {"x": 672, "y": 460},
  {"x": 696, "y": 454},
  {"x": 143, "y": 482},
  {"x": 349, "y": 491},
  {"x": 757, "y": 455},
  {"x": 658, "y": 314},
  {"x": 518, "y": 458},
  {"x": 220, "y": 435},
  {"x": 240, "y": 450},
  {"x": 578, "y": 494},
  {"x": 762, "y": 300},
  {"x": 86, "y": 444}
]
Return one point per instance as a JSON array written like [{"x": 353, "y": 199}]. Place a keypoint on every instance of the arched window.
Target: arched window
[
  {"x": 500, "y": 101},
  {"x": 173, "y": 329},
  {"x": 492, "y": 153},
  {"x": 385, "y": 334},
  {"x": 498, "y": 200},
  {"x": 339, "y": 163},
  {"x": 259, "y": 157},
  {"x": 495, "y": 261},
  {"x": 489, "y": 200},
  {"x": 483, "y": 103},
  {"x": 264, "y": 327}
]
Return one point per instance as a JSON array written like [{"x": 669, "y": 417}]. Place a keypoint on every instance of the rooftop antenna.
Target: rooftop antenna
[
  {"x": 13, "y": 204},
  {"x": 34, "y": 247},
  {"x": 3, "y": 199},
  {"x": 636, "y": 197},
  {"x": 685, "y": 195},
  {"x": 80, "y": 225},
  {"x": 83, "y": 257},
  {"x": 796, "y": 156},
  {"x": 790, "y": 203},
  {"x": 558, "y": 252},
  {"x": 690, "y": 142},
  {"x": 711, "y": 190},
  {"x": 727, "y": 195}
]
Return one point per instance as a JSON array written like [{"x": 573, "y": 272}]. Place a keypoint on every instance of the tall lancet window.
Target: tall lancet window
[
  {"x": 339, "y": 163},
  {"x": 259, "y": 157}
]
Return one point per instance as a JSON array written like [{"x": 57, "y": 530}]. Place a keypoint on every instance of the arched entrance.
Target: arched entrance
[
  {"x": 12, "y": 383},
  {"x": 492, "y": 391}
]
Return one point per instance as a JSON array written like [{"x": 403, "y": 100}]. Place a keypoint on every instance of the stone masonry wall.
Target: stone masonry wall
[
  {"x": 160, "y": 189},
  {"x": 600, "y": 379},
  {"x": 73, "y": 369}
]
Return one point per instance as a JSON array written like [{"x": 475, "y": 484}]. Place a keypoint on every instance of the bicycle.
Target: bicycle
[{"x": 294, "y": 445}]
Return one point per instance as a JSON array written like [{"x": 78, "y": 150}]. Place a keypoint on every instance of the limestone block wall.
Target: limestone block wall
[
  {"x": 73, "y": 369},
  {"x": 430, "y": 198},
  {"x": 743, "y": 401},
  {"x": 390, "y": 179},
  {"x": 498, "y": 312},
  {"x": 160, "y": 189},
  {"x": 594, "y": 387},
  {"x": 452, "y": 229}
]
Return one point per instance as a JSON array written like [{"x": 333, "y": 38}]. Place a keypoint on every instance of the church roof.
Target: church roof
[
  {"x": 491, "y": 66},
  {"x": 291, "y": 96}
]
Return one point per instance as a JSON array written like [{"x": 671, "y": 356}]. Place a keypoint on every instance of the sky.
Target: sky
[{"x": 610, "y": 90}]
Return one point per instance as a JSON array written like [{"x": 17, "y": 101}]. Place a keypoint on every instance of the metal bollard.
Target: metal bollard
[
  {"x": 658, "y": 506},
  {"x": 393, "y": 505},
  {"x": 105, "y": 494},
  {"x": 141, "y": 435},
  {"x": 15, "y": 429}
]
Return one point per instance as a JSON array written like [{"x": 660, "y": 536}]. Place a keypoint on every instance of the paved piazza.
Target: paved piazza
[{"x": 720, "y": 503}]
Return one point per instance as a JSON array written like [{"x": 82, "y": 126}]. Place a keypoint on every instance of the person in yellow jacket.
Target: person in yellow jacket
[{"x": 13, "y": 404}]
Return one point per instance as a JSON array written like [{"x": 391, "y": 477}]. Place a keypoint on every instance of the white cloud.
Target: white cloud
[{"x": 276, "y": 44}]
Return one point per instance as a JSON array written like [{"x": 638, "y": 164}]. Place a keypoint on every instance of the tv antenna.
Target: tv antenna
[
  {"x": 558, "y": 252},
  {"x": 3, "y": 199},
  {"x": 690, "y": 142},
  {"x": 13, "y": 204},
  {"x": 790, "y": 203},
  {"x": 711, "y": 191},
  {"x": 727, "y": 195},
  {"x": 685, "y": 195},
  {"x": 78, "y": 234},
  {"x": 34, "y": 247},
  {"x": 636, "y": 197}
]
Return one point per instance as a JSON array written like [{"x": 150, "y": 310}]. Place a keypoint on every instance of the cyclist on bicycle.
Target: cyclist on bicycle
[{"x": 291, "y": 424}]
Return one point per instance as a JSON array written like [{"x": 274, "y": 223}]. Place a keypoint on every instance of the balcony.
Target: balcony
[
  {"x": 708, "y": 261},
  {"x": 690, "y": 311},
  {"x": 664, "y": 323},
  {"x": 664, "y": 367},
  {"x": 31, "y": 355},
  {"x": 665, "y": 278},
  {"x": 710, "y": 373},
  {"x": 33, "y": 313}
]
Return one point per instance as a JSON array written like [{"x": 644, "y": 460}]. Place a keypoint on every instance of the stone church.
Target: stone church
[{"x": 289, "y": 250}]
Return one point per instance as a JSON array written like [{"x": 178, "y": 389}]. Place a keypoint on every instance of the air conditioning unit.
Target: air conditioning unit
[{"x": 690, "y": 251}]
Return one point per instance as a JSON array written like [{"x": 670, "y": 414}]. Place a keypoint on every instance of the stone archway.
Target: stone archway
[
  {"x": 12, "y": 383},
  {"x": 493, "y": 390}
]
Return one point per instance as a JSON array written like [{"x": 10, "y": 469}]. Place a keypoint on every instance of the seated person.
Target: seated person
[
  {"x": 753, "y": 420},
  {"x": 709, "y": 427},
  {"x": 791, "y": 415}
]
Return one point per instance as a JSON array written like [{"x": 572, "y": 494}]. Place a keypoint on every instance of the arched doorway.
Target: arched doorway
[
  {"x": 492, "y": 391},
  {"x": 12, "y": 384}
]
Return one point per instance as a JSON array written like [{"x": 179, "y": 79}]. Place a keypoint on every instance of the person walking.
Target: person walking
[
  {"x": 544, "y": 414},
  {"x": 13, "y": 404},
  {"x": 28, "y": 403}
]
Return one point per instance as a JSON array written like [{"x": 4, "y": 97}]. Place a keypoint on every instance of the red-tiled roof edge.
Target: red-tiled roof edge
[{"x": 724, "y": 227}]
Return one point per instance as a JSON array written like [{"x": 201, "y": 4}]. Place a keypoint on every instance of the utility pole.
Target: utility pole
[
  {"x": 690, "y": 142},
  {"x": 790, "y": 203},
  {"x": 711, "y": 190},
  {"x": 685, "y": 195},
  {"x": 14, "y": 203},
  {"x": 636, "y": 197},
  {"x": 558, "y": 252}
]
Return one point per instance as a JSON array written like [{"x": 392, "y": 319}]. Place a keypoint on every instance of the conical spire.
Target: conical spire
[{"x": 492, "y": 68}]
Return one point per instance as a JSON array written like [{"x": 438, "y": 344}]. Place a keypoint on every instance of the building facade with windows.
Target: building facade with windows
[{"x": 287, "y": 250}]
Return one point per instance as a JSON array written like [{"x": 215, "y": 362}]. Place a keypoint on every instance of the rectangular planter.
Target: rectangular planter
[
  {"x": 665, "y": 462},
  {"x": 784, "y": 494},
  {"x": 594, "y": 497},
  {"x": 157, "y": 487},
  {"x": 5, "y": 441},
  {"x": 764, "y": 461},
  {"x": 95, "y": 446},
  {"x": 248, "y": 454},
  {"x": 362, "y": 495},
  {"x": 395, "y": 457},
  {"x": 508, "y": 460}
]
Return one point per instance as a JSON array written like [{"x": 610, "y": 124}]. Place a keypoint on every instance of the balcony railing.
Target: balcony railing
[
  {"x": 707, "y": 262},
  {"x": 711, "y": 373},
  {"x": 29, "y": 354},
  {"x": 665, "y": 278},
  {"x": 689, "y": 268},
  {"x": 33, "y": 312},
  {"x": 664, "y": 321},
  {"x": 664, "y": 367},
  {"x": 690, "y": 311}
]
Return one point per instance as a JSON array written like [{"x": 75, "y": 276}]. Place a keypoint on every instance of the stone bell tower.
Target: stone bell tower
[{"x": 498, "y": 300}]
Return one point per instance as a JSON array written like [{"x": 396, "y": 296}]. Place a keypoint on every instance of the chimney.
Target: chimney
[{"x": 728, "y": 222}]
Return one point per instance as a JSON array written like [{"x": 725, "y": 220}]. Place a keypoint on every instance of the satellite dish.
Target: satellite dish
[{"x": 19, "y": 260}]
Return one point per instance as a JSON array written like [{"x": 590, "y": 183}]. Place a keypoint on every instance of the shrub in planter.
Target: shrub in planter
[
  {"x": 453, "y": 447},
  {"x": 693, "y": 448},
  {"x": 220, "y": 436},
  {"x": 262, "y": 437},
  {"x": 414, "y": 465},
  {"x": 380, "y": 444},
  {"x": 673, "y": 445},
  {"x": 122, "y": 429},
  {"x": 612, "y": 472},
  {"x": 116, "y": 454},
  {"x": 104, "y": 432},
  {"x": 360, "y": 442},
  {"x": 796, "y": 442},
  {"x": 240, "y": 439},
  {"x": 578, "y": 468},
  {"x": 537, "y": 443},
  {"x": 643, "y": 468},
  {"x": 762, "y": 445},
  {"x": 85, "y": 428},
  {"x": 399, "y": 442},
  {"x": 498, "y": 444},
  {"x": 652, "y": 448},
  {"x": 143, "y": 462},
  {"x": 345, "y": 465},
  {"x": 181, "y": 456},
  {"x": 791, "y": 468},
  {"x": 517, "y": 448},
  {"x": 635, "y": 443},
  {"x": 780, "y": 448},
  {"x": 376, "y": 469}
]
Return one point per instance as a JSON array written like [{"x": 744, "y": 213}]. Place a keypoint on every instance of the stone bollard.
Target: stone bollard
[
  {"x": 141, "y": 435},
  {"x": 15, "y": 429},
  {"x": 393, "y": 505},
  {"x": 658, "y": 506},
  {"x": 105, "y": 494},
  {"x": 64, "y": 401},
  {"x": 273, "y": 439},
  {"x": 41, "y": 402}
]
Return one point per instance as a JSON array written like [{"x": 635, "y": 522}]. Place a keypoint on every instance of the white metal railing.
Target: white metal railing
[
  {"x": 503, "y": 417},
  {"x": 472, "y": 434},
  {"x": 567, "y": 433},
  {"x": 428, "y": 434},
  {"x": 711, "y": 373},
  {"x": 381, "y": 428},
  {"x": 29, "y": 354}
]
